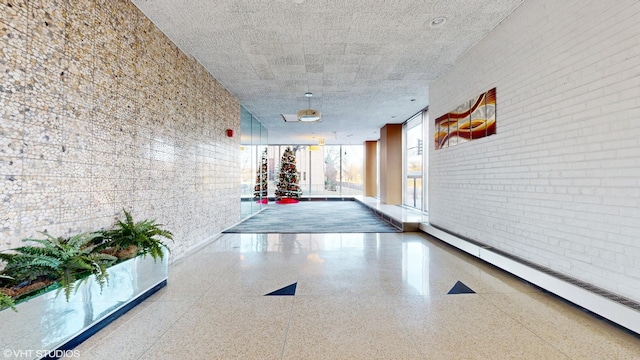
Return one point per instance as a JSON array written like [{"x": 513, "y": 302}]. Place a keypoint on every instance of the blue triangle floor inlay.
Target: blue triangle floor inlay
[
  {"x": 460, "y": 288},
  {"x": 285, "y": 291}
]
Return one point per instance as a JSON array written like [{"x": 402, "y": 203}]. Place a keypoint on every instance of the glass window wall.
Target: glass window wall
[
  {"x": 414, "y": 148},
  {"x": 253, "y": 140},
  {"x": 425, "y": 160},
  {"x": 323, "y": 170}
]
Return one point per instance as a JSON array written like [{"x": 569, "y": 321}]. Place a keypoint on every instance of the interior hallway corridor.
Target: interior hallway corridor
[{"x": 357, "y": 296}]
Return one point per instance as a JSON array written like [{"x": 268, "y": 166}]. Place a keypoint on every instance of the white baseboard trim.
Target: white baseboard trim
[{"x": 607, "y": 308}]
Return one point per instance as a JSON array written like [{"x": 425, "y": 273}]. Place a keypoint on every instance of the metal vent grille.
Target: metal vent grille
[
  {"x": 393, "y": 222},
  {"x": 579, "y": 283}
]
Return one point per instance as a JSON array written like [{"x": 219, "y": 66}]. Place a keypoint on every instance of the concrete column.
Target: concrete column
[
  {"x": 391, "y": 164},
  {"x": 371, "y": 168}
]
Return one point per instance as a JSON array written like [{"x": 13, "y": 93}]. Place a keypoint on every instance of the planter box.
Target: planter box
[{"x": 49, "y": 324}]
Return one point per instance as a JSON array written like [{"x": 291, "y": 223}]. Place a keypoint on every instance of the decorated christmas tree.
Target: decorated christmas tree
[
  {"x": 260, "y": 189},
  {"x": 288, "y": 190}
]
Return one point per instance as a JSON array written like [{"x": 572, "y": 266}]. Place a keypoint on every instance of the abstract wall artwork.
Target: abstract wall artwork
[{"x": 473, "y": 119}]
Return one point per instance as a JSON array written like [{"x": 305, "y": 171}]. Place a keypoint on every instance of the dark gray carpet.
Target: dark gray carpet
[{"x": 314, "y": 217}]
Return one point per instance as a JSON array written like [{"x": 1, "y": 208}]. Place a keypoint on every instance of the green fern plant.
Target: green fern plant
[
  {"x": 28, "y": 266},
  {"x": 5, "y": 300},
  {"x": 145, "y": 235},
  {"x": 65, "y": 259}
]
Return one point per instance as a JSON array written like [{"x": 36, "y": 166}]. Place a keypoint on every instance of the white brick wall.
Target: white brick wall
[{"x": 559, "y": 184}]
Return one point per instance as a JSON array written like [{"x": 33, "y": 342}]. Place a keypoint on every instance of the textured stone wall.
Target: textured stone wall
[{"x": 100, "y": 111}]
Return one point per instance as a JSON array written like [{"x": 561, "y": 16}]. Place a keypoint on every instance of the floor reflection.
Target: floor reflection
[
  {"x": 397, "y": 261},
  {"x": 357, "y": 296},
  {"x": 415, "y": 266}
]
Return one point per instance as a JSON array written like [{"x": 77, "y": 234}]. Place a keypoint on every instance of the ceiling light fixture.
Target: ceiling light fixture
[
  {"x": 438, "y": 21},
  {"x": 309, "y": 115}
]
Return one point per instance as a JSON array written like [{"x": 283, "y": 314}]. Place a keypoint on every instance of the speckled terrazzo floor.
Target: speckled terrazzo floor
[{"x": 357, "y": 296}]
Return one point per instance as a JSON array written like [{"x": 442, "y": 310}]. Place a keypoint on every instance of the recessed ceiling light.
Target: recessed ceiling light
[{"x": 438, "y": 21}]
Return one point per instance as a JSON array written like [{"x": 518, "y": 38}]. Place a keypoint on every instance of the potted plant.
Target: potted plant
[
  {"x": 129, "y": 239},
  {"x": 98, "y": 285},
  {"x": 61, "y": 259}
]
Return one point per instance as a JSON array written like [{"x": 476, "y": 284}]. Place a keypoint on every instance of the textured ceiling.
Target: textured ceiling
[{"x": 367, "y": 62}]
